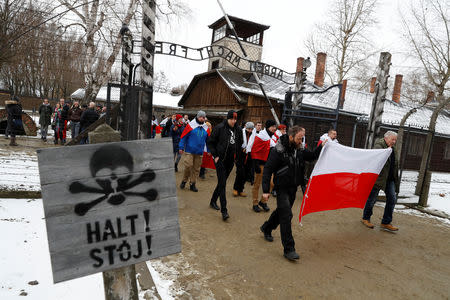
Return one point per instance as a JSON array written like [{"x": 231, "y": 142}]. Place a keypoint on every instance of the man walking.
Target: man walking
[
  {"x": 176, "y": 129},
  {"x": 243, "y": 166},
  {"x": 192, "y": 143},
  {"x": 260, "y": 150},
  {"x": 387, "y": 181},
  {"x": 286, "y": 162},
  {"x": 75, "y": 117},
  {"x": 225, "y": 146},
  {"x": 63, "y": 118},
  {"x": 45, "y": 116}
]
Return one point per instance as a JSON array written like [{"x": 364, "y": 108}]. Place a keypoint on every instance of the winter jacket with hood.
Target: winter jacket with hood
[{"x": 194, "y": 139}]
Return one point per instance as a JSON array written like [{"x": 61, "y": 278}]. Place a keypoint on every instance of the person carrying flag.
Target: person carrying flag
[
  {"x": 244, "y": 165},
  {"x": 192, "y": 143},
  {"x": 286, "y": 162},
  {"x": 331, "y": 136},
  {"x": 280, "y": 131},
  {"x": 225, "y": 146},
  {"x": 260, "y": 149}
]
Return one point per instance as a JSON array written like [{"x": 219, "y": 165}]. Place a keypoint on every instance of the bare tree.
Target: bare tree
[
  {"x": 101, "y": 20},
  {"x": 161, "y": 83},
  {"x": 344, "y": 37},
  {"x": 427, "y": 30}
]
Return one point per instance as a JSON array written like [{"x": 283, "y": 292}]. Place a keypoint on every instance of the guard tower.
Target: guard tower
[{"x": 250, "y": 33}]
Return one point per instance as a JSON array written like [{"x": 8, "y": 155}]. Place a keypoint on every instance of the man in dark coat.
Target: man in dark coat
[
  {"x": 387, "y": 181},
  {"x": 14, "y": 110},
  {"x": 286, "y": 161},
  {"x": 64, "y": 117},
  {"x": 88, "y": 117},
  {"x": 225, "y": 147},
  {"x": 45, "y": 116}
]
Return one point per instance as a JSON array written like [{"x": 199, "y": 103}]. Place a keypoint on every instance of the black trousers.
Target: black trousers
[
  {"x": 249, "y": 170},
  {"x": 282, "y": 216},
  {"x": 223, "y": 170},
  {"x": 239, "y": 181}
]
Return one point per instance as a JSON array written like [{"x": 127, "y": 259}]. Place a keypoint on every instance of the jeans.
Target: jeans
[
  {"x": 75, "y": 129},
  {"x": 44, "y": 130},
  {"x": 391, "y": 200},
  {"x": 283, "y": 216},
  {"x": 153, "y": 134},
  {"x": 223, "y": 170}
]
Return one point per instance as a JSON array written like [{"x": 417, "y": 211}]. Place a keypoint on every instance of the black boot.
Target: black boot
[
  {"x": 214, "y": 205},
  {"x": 256, "y": 208},
  {"x": 264, "y": 206},
  {"x": 176, "y": 167},
  {"x": 13, "y": 141},
  {"x": 267, "y": 235},
  {"x": 292, "y": 255},
  {"x": 225, "y": 216},
  {"x": 183, "y": 185},
  {"x": 193, "y": 188}
]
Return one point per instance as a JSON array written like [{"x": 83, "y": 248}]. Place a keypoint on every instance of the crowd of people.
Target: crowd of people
[
  {"x": 270, "y": 158},
  {"x": 60, "y": 118}
]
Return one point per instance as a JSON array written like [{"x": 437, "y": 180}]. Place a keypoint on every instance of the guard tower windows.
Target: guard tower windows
[
  {"x": 254, "y": 39},
  {"x": 219, "y": 33}
]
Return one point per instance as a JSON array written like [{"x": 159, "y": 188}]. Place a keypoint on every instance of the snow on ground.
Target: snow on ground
[
  {"x": 19, "y": 171},
  {"x": 24, "y": 257}
]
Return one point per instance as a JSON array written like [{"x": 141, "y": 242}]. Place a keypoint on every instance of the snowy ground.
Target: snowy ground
[{"x": 24, "y": 241}]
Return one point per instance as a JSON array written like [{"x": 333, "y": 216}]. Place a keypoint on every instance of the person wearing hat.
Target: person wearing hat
[
  {"x": 14, "y": 110},
  {"x": 243, "y": 167},
  {"x": 192, "y": 143},
  {"x": 281, "y": 129},
  {"x": 175, "y": 131},
  {"x": 225, "y": 146},
  {"x": 260, "y": 149}
]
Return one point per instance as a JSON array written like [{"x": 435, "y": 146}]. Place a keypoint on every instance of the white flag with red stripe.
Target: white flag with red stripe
[
  {"x": 261, "y": 146},
  {"x": 342, "y": 177}
]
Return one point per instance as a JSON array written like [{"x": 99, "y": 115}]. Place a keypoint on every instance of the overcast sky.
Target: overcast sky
[{"x": 290, "y": 22}]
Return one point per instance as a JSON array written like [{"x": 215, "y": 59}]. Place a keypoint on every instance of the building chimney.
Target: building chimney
[
  {"x": 320, "y": 69},
  {"x": 299, "y": 64},
  {"x": 344, "y": 89},
  {"x": 372, "y": 85},
  {"x": 430, "y": 96},
  {"x": 397, "y": 88}
]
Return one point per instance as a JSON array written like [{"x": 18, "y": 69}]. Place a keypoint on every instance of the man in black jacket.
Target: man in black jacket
[
  {"x": 286, "y": 161},
  {"x": 225, "y": 146},
  {"x": 88, "y": 117}
]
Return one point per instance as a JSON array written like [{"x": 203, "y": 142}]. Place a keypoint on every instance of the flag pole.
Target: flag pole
[{"x": 304, "y": 201}]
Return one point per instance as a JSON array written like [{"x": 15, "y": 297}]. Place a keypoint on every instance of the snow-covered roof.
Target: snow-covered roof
[
  {"x": 356, "y": 102},
  {"x": 159, "y": 99}
]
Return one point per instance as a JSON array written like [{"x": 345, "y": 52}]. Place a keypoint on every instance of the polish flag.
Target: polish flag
[
  {"x": 192, "y": 125},
  {"x": 261, "y": 146},
  {"x": 207, "y": 160},
  {"x": 342, "y": 177}
]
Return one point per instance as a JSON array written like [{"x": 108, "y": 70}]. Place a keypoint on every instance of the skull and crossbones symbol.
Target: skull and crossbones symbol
[{"x": 107, "y": 164}]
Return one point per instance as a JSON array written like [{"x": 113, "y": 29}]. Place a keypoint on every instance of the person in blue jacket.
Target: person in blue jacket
[{"x": 192, "y": 144}]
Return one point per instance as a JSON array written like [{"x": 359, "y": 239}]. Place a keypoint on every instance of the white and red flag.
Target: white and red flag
[
  {"x": 342, "y": 177},
  {"x": 192, "y": 125},
  {"x": 261, "y": 146}
]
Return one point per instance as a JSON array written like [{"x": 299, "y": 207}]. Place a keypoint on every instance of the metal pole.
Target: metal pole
[
  {"x": 125, "y": 76},
  {"x": 378, "y": 100},
  {"x": 147, "y": 58},
  {"x": 108, "y": 104},
  {"x": 245, "y": 55}
]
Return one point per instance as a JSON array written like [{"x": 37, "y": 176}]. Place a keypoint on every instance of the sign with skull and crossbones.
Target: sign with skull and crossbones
[{"x": 108, "y": 205}]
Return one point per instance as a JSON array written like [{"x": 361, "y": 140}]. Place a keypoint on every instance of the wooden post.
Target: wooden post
[
  {"x": 147, "y": 59},
  {"x": 376, "y": 112},
  {"x": 120, "y": 283}
]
